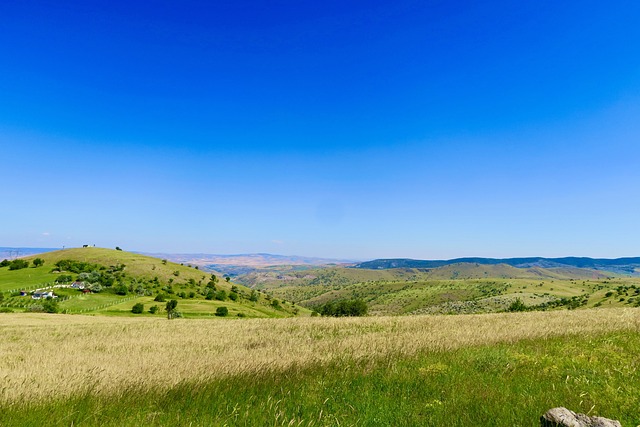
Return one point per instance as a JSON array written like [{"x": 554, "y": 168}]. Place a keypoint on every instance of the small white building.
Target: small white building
[{"x": 43, "y": 295}]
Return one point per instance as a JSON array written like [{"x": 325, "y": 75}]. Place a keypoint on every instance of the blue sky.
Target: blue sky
[{"x": 424, "y": 129}]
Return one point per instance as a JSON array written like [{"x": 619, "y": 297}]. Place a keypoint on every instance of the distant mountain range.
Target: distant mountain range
[
  {"x": 244, "y": 263},
  {"x": 618, "y": 265},
  {"x": 248, "y": 260}
]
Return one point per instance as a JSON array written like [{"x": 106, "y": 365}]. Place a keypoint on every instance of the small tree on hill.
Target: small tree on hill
[
  {"x": 38, "y": 262},
  {"x": 254, "y": 296},
  {"x": 138, "y": 308},
  {"x": 222, "y": 311},
  {"x": 50, "y": 305},
  {"x": 171, "y": 308},
  {"x": 517, "y": 305},
  {"x": 18, "y": 264}
]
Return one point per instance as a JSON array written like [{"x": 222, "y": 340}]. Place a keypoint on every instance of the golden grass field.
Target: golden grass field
[{"x": 45, "y": 356}]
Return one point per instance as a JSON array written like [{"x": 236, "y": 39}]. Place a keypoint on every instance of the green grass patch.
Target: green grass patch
[
  {"x": 26, "y": 278},
  {"x": 499, "y": 385}
]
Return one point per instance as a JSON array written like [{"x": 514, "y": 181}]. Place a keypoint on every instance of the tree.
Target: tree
[
  {"x": 171, "y": 308},
  {"x": 227, "y": 279},
  {"x": 517, "y": 305},
  {"x": 118, "y": 248},
  {"x": 38, "y": 262},
  {"x": 18, "y": 264},
  {"x": 153, "y": 309},
  {"x": 63, "y": 278},
  {"x": 254, "y": 296},
  {"x": 50, "y": 305},
  {"x": 138, "y": 308},
  {"x": 344, "y": 308},
  {"x": 5, "y": 263},
  {"x": 222, "y": 311},
  {"x": 95, "y": 287}
]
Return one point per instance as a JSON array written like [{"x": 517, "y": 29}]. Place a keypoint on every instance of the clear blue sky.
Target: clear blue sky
[{"x": 424, "y": 129}]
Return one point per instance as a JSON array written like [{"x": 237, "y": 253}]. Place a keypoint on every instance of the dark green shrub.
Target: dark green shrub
[
  {"x": 50, "y": 305},
  {"x": 517, "y": 305},
  {"x": 38, "y": 262},
  {"x": 345, "y": 308},
  {"x": 63, "y": 278},
  {"x": 18, "y": 264},
  {"x": 138, "y": 308},
  {"x": 160, "y": 297},
  {"x": 221, "y": 295},
  {"x": 233, "y": 296},
  {"x": 153, "y": 309},
  {"x": 222, "y": 311},
  {"x": 73, "y": 266},
  {"x": 171, "y": 309}
]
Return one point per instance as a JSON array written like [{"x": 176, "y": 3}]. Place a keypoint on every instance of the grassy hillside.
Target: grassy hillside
[
  {"x": 622, "y": 266},
  {"x": 126, "y": 279},
  {"x": 494, "y": 370},
  {"x": 452, "y": 289},
  {"x": 341, "y": 276}
]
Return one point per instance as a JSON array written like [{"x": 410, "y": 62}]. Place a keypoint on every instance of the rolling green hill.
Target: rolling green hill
[
  {"x": 621, "y": 266},
  {"x": 120, "y": 279},
  {"x": 450, "y": 289}
]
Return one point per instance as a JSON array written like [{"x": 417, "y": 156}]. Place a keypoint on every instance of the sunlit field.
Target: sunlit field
[{"x": 119, "y": 369}]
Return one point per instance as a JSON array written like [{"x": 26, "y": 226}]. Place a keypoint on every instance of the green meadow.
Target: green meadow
[
  {"x": 573, "y": 342},
  {"x": 138, "y": 279},
  {"x": 501, "y": 378}
]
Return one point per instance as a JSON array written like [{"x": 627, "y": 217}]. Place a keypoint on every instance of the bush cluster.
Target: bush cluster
[{"x": 345, "y": 308}]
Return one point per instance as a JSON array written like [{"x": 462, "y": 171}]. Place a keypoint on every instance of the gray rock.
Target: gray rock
[{"x": 562, "y": 417}]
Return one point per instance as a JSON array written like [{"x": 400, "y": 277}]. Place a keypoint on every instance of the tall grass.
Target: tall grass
[
  {"x": 506, "y": 384},
  {"x": 43, "y": 356}
]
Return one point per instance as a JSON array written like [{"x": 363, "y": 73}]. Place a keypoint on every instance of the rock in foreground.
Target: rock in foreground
[{"x": 562, "y": 417}]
